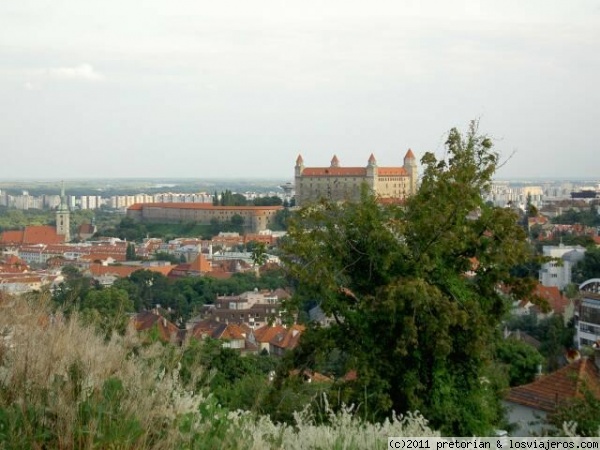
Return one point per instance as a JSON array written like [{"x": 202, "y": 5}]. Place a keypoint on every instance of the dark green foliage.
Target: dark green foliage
[
  {"x": 267, "y": 201},
  {"x": 282, "y": 218},
  {"x": 584, "y": 411},
  {"x": 554, "y": 336},
  {"x": 165, "y": 256},
  {"x": 417, "y": 330},
  {"x": 186, "y": 295},
  {"x": 228, "y": 198},
  {"x": 588, "y": 216},
  {"x": 588, "y": 267},
  {"x": 130, "y": 252},
  {"x": 520, "y": 359},
  {"x": 103, "y": 423},
  {"x": 237, "y": 382}
]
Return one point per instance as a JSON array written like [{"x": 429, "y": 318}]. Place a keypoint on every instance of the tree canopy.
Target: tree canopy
[{"x": 414, "y": 290}]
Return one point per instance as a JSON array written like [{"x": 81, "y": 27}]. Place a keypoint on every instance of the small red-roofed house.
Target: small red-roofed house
[
  {"x": 530, "y": 404},
  {"x": 264, "y": 334},
  {"x": 150, "y": 320},
  {"x": 285, "y": 340},
  {"x": 554, "y": 302}
]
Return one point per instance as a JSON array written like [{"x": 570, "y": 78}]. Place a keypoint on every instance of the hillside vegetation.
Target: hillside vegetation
[{"x": 63, "y": 385}]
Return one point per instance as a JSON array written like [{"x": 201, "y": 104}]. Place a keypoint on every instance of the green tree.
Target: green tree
[
  {"x": 130, "y": 252},
  {"x": 588, "y": 267},
  {"x": 259, "y": 256},
  {"x": 107, "y": 308},
  {"x": 418, "y": 331},
  {"x": 237, "y": 223},
  {"x": 521, "y": 360},
  {"x": 583, "y": 411}
]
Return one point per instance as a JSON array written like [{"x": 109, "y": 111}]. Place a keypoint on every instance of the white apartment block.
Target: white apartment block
[
  {"x": 558, "y": 273},
  {"x": 588, "y": 323},
  {"x": 502, "y": 194}
]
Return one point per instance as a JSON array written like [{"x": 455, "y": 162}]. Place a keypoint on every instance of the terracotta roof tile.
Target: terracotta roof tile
[
  {"x": 200, "y": 264},
  {"x": 265, "y": 333},
  {"x": 556, "y": 301},
  {"x": 549, "y": 391},
  {"x": 147, "y": 320},
  {"x": 35, "y": 234},
  {"x": 334, "y": 172}
]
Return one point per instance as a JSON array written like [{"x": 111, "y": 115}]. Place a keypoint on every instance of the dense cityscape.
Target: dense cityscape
[{"x": 299, "y": 225}]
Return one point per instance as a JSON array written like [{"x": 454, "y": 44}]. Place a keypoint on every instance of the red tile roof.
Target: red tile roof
[
  {"x": 556, "y": 301},
  {"x": 334, "y": 172},
  {"x": 200, "y": 264},
  {"x": 409, "y": 154},
  {"x": 289, "y": 338},
  {"x": 147, "y": 320},
  {"x": 35, "y": 234},
  {"x": 265, "y": 333},
  {"x": 549, "y": 391}
]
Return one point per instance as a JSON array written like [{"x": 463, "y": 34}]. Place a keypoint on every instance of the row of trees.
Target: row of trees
[
  {"x": 228, "y": 198},
  {"x": 145, "y": 290}
]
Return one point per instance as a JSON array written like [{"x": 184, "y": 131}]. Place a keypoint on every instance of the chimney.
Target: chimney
[{"x": 539, "y": 373}]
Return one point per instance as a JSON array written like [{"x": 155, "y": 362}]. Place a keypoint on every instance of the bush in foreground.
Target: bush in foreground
[{"x": 62, "y": 385}]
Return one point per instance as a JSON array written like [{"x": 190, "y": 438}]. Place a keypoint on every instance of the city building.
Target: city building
[
  {"x": 340, "y": 183},
  {"x": 588, "y": 323},
  {"x": 255, "y": 218},
  {"x": 253, "y": 308},
  {"x": 558, "y": 273},
  {"x": 529, "y": 405}
]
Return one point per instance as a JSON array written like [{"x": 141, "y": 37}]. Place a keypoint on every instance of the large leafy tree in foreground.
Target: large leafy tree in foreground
[{"x": 416, "y": 329}]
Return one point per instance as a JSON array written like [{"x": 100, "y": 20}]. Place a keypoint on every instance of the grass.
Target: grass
[{"x": 62, "y": 385}]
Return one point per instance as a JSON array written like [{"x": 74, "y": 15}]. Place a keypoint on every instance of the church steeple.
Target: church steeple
[{"x": 63, "y": 215}]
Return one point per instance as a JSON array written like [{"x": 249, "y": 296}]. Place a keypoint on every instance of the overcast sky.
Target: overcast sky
[{"x": 232, "y": 88}]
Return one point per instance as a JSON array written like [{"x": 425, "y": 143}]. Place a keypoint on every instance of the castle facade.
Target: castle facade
[{"x": 338, "y": 183}]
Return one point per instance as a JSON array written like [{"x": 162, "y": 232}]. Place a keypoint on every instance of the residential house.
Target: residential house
[
  {"x": 285, "y": 340},
  {"x": 529, "y": 405},
  {"x": 198, "y": 267},
  {"x": 264, "y": 334},
  {"x": 553, "y": 303},
  {"x": 152, "y": 320},
  {"x": 254, "y": 308},
  {"x": 233, "y": 336}
]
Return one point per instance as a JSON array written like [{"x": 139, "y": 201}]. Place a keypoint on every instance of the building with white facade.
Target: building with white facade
[
  {"x": 588, "y": 323},
  {"x": 558, "y": 272}
]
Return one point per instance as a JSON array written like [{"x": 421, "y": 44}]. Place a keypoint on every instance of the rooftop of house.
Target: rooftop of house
[
  {"x": 550, "y": 391},
  {"x": 552, "y": 295},
  {"x": 35, "y": 234},
  {"x": 168, "y": 331}
]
